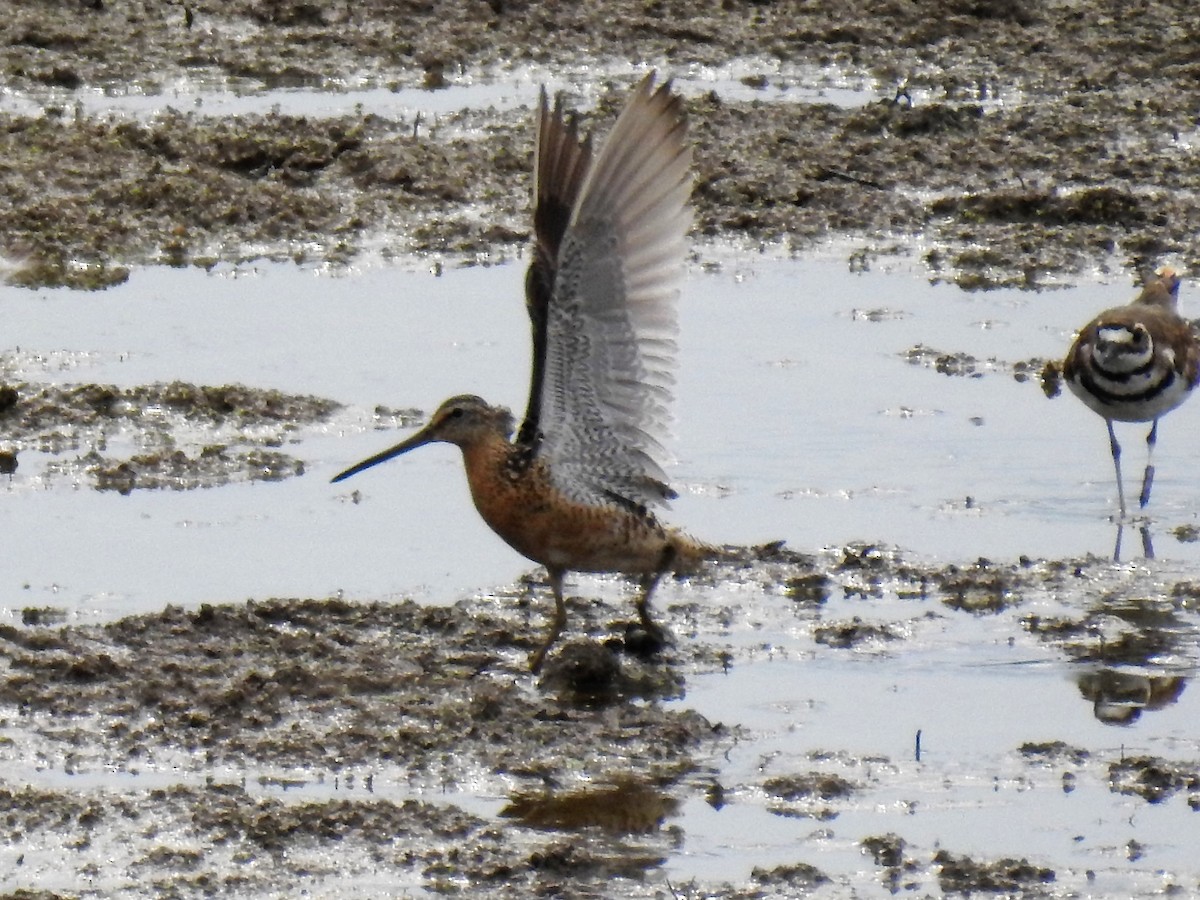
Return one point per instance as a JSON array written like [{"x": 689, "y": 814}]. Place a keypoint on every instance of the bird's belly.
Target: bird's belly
[
  {"x": 1136, "y": 400},
  {"x": 581, "y": 538}
]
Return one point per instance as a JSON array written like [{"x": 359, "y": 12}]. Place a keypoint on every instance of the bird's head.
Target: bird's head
[
  {"x": 462, "y": 420},
  {"x": 1123, "y": 347},
  {"x": 1162, "y": 289}
]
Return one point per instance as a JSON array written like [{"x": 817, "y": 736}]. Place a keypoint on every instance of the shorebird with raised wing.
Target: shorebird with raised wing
[
  {"x": 575, "y": 489},
  {"x": 1136, "y": 363}
]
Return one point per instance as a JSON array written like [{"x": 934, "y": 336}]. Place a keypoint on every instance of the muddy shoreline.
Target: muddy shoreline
[
  {"x": 1017, "y": 143},
  {"x": 1004, "y": 144},
  {"x": 378, "y": 700}
]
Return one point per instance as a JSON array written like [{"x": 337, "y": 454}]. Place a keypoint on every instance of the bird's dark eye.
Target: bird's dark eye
[{"x": 456, "y": 413}]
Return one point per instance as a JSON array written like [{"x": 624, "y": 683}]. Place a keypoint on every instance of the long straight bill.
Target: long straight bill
[{"x": 421, "y": 437}]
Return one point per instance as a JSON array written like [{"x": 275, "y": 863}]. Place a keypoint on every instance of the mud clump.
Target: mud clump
[
  {"x": 887, "y": 851},
  {"x": 961, "y": 874},
  {"x": 982, "y": 588},
  {"x": 231, "y": 432},
  {"x": 809, "y": 589},
  {"x": 1153, "y": 779},
  {"x": 180, "y": 472},
  {"x": 1053, "y": 751},
  {"x": 592, "y": 673},
  {"x": 818, "y": 785},
  {"x": 844, "y": 635},
  {"x": 796, "y": 877},
  {"x": 963, "y": 365}
]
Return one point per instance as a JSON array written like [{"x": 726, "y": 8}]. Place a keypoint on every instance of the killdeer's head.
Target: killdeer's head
[{"x": 1122, "y": 347}]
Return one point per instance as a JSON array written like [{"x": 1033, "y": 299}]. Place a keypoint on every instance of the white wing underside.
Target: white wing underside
[{"x": 612, "y": 322}]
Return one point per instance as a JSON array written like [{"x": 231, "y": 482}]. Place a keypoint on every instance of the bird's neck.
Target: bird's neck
[
  {"x": 503, "y": 482},
  {"x": 486, "y": 460}
]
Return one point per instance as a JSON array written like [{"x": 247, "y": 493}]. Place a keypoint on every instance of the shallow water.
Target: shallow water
[
  {"x": 970, "y": 697},
  {"x": 799, "y": 419}
]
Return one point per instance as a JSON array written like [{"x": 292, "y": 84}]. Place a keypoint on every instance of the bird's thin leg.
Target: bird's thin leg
[
  {"x": 1147, "y": 543},
  {"x": 1116, "y": 455},
  {"x": 1148, "y": 478},
  {"x": 1117, "y": 545},
  {"x": 556, "y": 626},
  {"x": 653, "y": 630}
]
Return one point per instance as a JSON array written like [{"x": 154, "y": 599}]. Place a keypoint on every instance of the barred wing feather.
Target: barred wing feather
[{"x": 611, "y": 321}]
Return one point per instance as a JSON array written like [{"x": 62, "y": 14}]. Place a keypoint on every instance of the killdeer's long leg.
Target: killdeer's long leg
[
  {"x": 1116, "y": 455},
  {"x": 1148, "y": 478}
]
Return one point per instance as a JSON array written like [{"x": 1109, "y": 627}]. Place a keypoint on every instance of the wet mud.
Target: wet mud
[
  {"x": 1014, "y": 144},
  {"x": 184, "y": 435},
  {"x": 375, "y": 699},
  {"x": 1018, "y": 141}
]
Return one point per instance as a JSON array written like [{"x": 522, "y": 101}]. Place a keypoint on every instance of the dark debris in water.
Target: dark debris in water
[
  {"x": 962, "y": 874},
  {"x": 963, "y": 365},
  {"x": 176, "y": 470},
  {"x": 887, "y": 849},
  {"x": 983, "y": 587},
  {"x": 1152, "y": 778},
  {"x": 797, "y": 876},
  {"x": 843, "y": 635},
  {"x": 808, "y": 786},
  {"x": 812, "y": 588},
  {"x": 1053, "y": 752},
  {"x": 899, "y": 872},
  {"x": 1051, "y": 379},
  {"x": 1186, "y": 533}
]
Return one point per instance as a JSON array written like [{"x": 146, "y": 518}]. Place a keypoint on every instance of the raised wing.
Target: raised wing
[
  {"x": 611, "y": 319},
  {"x": 561, "y": 162}
]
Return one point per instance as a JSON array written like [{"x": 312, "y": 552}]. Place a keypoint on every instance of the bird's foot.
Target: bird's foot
[{"x": 645, "y": 639}]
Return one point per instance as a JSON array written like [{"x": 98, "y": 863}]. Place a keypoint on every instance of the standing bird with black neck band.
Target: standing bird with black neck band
[
  {"x": 1136, "y": 363},
  {"x": 575, "y": 489}
]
